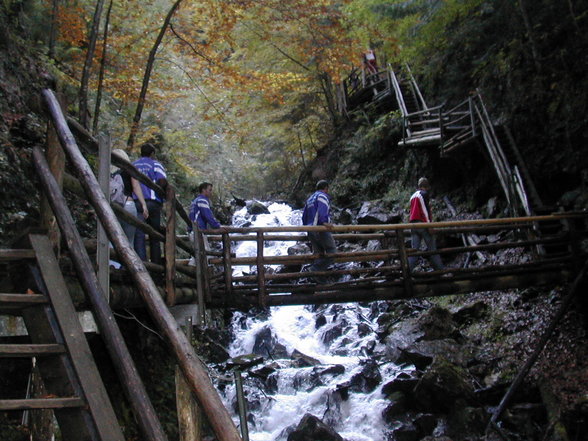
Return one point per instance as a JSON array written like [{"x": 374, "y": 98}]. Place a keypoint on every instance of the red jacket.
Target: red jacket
[{"x": 419, "y": 207}]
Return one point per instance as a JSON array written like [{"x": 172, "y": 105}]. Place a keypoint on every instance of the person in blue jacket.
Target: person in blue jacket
[
  {"x": 153, "y": 169},
  {"x": 200, "y": 212},
  {"x": 316, "y": 212}
]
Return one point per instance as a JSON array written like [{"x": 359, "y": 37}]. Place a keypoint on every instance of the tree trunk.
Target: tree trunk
[
  {"x": 83, "y": 110},
  {"x": 148, "y": 69},
  {"x": 529, "y": 29},
  {"x": 53, "y": 30},
  {"x": 101, "y": 75}
]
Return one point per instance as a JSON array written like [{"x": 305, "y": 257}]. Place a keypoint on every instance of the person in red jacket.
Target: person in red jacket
[{"x": 421, "y": 212}]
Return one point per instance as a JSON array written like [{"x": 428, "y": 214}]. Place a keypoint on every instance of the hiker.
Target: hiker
[
  {"x": 200, "y": 212},
  {"x": 421, "y": 212},
  {"x": 122, "y": 189},
  {"x": 316, "y": 212},
  {"x": 153, "y": 169},
  {"x": 370, "y": 63}
]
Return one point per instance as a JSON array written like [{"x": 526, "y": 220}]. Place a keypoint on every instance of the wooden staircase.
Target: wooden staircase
[{"x": 75, "y": 390}]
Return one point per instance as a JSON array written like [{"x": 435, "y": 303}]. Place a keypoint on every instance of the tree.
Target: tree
[
  {"x": 148, "y": 68},
  {"x": 83, "y": 94}
]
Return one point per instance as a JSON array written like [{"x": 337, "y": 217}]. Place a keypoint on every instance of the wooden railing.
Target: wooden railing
[
  {"x": 384, "y": 273},
  {"x": 191, "y": 366}
]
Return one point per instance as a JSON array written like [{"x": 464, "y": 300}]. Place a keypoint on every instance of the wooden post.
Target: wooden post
[
  {"x": 199, "y": 282},
  {"x": 260, "y": 270},
  {"x": 103, "y": 246},
  {"x": 189, "y": 414},
  {"x": 170, "y": 246},
  {"x": 56, "y": 160},
  {"x": 115, "y": 343},
  {"x": 204, "y": 265},
  {"x": 195, "y": 372},
  {"x": 404, "y": 263},
  {"x": 227, "y": 264}
]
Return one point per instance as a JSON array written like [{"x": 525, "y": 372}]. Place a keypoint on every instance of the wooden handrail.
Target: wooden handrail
[{"x": 194, "y": 371}]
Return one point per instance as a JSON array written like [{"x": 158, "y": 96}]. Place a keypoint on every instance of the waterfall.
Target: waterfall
[{"x": 341, "y": 384}]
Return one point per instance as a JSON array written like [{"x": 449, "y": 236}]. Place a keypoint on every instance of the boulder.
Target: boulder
[
  {"x": 442, "y": 383},
  {"x": 320, "y": 321},
  {"x": 395, "y": 408},
  {"x": 306, "y": 380},
  {"x": 266, "y": 344},
  {"x": 303, "y": 360},
  {"x": 332, "y": 333},
  {"x": 368, "y": 379},
  {"x": 311, "y": 428},
  {"x": 437, "y": 323},
  {"x": 343, "y": 217},
  {"x": 469, "y": 314},
  {"x": 256, "y": 207},
  {"x": 298, "y": 248},
  {"x": 371, "y": 213},
  {"x": 405, "y": 432},
  {"x": 404, "y": 385}
]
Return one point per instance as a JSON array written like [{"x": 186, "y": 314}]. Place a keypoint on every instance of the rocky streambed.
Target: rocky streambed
[{"x": 421, "y": 369}]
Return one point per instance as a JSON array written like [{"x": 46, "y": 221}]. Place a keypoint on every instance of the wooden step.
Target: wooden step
[
  {"x": 16, "y": 302},
  {"x": 7, "y": 255},
  {"x": 30, "y": 350},
  {"x": 41, "y": 403}
]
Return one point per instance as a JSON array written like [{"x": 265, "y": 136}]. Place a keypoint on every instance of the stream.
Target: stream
[{"x": 316, "y": 358}]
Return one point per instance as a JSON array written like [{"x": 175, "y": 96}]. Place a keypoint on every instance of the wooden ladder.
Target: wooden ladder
[{"x": 75, "y": 390}]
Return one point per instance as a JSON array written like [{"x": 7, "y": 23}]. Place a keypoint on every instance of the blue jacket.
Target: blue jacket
[
  {"x": 154, "y": 171},
  {"x": 316, "y": 210},
  {"x": 201, "y": 213}
]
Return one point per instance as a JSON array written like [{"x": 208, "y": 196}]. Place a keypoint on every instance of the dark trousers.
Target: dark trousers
[
  {"x": 154, "y": 220},
  {"x": 322, "y": 243},
  {"x": 423, "y": 235}
]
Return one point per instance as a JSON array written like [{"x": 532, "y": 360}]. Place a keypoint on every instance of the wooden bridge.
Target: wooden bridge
[
  {"x": 543, "y": 250},
  {"x": 447, "y": 129}
]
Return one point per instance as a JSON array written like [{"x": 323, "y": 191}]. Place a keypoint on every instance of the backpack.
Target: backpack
[{"x": 117, "y": 189}]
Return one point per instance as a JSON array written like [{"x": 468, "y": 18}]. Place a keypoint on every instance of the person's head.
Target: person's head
[
  {"x": 205, "y": 189},
  {"x": 147, "y": 150},
  {"x": 322, "y": 185},
  {"x": 423, "y": 184},
  {"x": 122, "y": 154}
]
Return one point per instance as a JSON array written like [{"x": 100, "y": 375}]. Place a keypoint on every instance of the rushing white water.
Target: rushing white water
[{"x": 356, "y": 419}]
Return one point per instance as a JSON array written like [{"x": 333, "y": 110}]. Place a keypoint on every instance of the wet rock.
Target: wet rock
[
  {"x": 437, "y": 323},
  {"x": 243, "y": 362},
  {"x": 395, "y": 408},
  {"x": 426, "y": 423},
  {"x": 265, "y": 371},
  {"x": 404, "y": 385},
  {"x": 405, "y": 432},
  {"x": 364, "y": 329},
  {"x": 343, "y": 217},
  {"x": 334, "y": 370},
  {"x": 366, "y": 380},
  {"x": 421, "y": 353},
  {"x": 470, "y": 314},
  {"x": 371, "y": 213},
  {"x": 442, "y": 383},
  {"x": 332, "y": 415},
  {"x": 311, "y": 428},
  {"x": 306, "y": 380},
  {"x": 303, "y": 360},
  {"x": 333, "y": 333},
  {"x": 267, "y": 345},
  {"x": 436, "y": 438},
  {"x": 368, "y": 348},
  {"x": 256, "y": 207},
  {"x": 414, "y": 357},
  {"x": 299, "y": 248},
  {"x": 464, "y": 419},
  {"x": 320, "y": 321}
]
